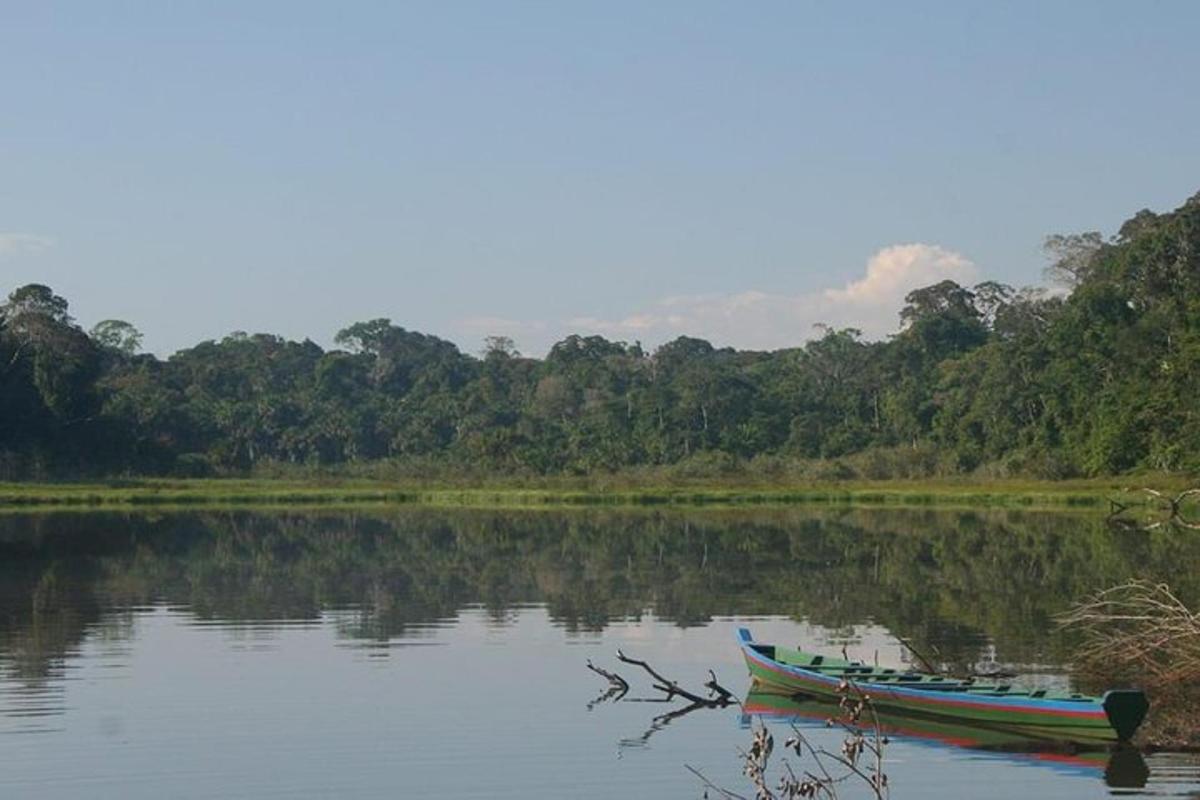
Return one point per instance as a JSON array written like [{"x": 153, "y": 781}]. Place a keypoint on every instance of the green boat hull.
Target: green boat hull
[{"x": 1064, "y": 717}]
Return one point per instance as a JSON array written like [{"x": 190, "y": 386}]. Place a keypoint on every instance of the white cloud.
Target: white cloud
[
  {"x": 765, "y": 320},
  {"x": 895, "y": 271},
  {"x": 12, "y": 244},
  {"x": 762, "y": 320}
]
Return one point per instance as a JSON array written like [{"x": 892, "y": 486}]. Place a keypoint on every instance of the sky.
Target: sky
[{"x": 735, "y": 171}]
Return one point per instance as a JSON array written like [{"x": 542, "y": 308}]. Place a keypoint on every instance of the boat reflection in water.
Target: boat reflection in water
[{"x": 1121, "y": 767}]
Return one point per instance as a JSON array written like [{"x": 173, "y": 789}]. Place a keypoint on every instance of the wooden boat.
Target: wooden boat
[{"x": 1113, "y": 717}]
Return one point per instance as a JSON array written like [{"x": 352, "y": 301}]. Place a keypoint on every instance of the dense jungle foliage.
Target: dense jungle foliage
[{"x": 1099, "y": 379}]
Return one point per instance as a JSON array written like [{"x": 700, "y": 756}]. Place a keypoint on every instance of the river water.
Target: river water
[{"x": 410, "y": 653}]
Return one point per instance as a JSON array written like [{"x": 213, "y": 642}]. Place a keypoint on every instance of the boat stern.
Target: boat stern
[{"x": 1125, "y": 709}]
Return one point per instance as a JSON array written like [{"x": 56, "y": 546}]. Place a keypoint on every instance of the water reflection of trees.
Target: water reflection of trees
[{"x": 948, "y": 580}]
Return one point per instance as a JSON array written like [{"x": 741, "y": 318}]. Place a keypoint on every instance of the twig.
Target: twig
[
  {"x": 613, "y": 693},
  {"x": 613, "y": 678},
  {"x": 854, "y": 704},
  {"x": 801, "y": 740},
  {"x": 1141, "y": 626},
  {"x": 723, "y": 791},
  {"x": 723, "y": 695},
  {"x": 925, "y": 662}
]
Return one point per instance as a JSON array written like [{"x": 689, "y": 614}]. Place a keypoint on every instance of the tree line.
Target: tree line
[{"x": 1099, "y": 378}]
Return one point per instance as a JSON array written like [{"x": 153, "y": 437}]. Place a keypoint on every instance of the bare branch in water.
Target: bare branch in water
[
  {"x": 612, "y": 693},
  {"x": 723, "y": 696},
  {"x": 615, "y": 680},
  {"x": 672, "y": 688},
  {"x": 1173, "y": 507},
  {"x": 719, "y": 696}
]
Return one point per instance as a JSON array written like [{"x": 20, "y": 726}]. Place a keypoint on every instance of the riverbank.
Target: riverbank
[{"x": 550, "y": 492}]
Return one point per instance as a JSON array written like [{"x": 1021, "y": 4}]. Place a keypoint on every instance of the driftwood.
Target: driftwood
[
  {"x": 1176, "y": 506},
  {"x": 618, "y": 688},
  {"x": 614, "y": 680},
  {"x": 1172, "y": 507},
  {"x": 612, "y": 693},
  {"x": 719, "y": 697},
  {"x": 723, "y": 696}
]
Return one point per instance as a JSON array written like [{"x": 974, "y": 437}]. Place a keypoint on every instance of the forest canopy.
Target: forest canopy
[{"x": 1099, "y": 378}]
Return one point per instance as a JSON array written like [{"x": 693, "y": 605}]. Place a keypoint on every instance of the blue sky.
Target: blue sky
[{"x": 731, "y": 170}]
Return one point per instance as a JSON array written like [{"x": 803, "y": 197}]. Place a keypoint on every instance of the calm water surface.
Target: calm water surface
[{"x": 411, "y": 653}]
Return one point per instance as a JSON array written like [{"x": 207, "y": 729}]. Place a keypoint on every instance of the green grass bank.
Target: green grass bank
[{"x": 551, "y": 492}]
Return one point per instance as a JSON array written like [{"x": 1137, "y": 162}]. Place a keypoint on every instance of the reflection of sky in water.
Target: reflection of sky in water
[
  {"x": 479, "y": 705},
  {"x": 417, "y": 653}
]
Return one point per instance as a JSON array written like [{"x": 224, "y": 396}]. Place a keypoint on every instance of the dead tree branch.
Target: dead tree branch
[
  {"x": 672, "y": 689},
  {"x": 618, "y": 688},
  {"x": 1172, "y": 508},
  {"x": 723, "y": 696},
  {"x": 615, "y": 680}
]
